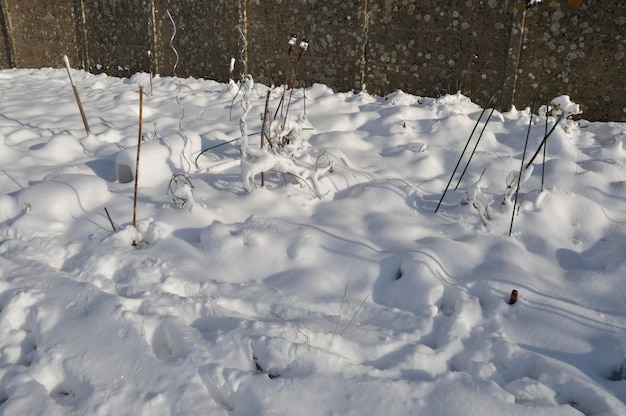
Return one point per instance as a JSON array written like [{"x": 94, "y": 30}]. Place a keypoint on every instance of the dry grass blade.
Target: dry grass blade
[
  {"x": 343, "y": 300},
  {"x": 354, "y": 316}
]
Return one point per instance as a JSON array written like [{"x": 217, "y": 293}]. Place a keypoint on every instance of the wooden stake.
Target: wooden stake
[
  {"x": 137, "y": 162},
  {"x": 80, "y": 105}
]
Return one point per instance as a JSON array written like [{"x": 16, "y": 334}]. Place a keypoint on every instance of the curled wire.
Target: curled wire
[
  {"x": 172, "y": 42},
  {"x": 242, "y": 51},
  {"x": 180, "y": 86},
  {"x": 242, "y": 76}
]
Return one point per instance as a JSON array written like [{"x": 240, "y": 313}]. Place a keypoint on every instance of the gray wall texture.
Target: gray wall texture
[{"x": 424, "y": 47}]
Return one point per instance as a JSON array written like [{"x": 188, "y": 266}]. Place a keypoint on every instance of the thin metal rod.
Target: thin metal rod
[
  {"x": 479, "y": 137},
  {"x": 545, "y": 147},
  {"x": 493, "y": 100},
  {"x": 558, "y": 120},
  {"x": 538, "y": 94},
  {"x": 110, "y": 220}
]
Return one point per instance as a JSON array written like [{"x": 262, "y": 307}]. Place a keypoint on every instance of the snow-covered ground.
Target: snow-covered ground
[{"x": 275, "y": 301}]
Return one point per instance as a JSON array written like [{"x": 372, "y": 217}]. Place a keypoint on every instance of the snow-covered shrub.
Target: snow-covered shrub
[
  {"x": 283, "y": 148},
  {"x": 564, "y": 108}
]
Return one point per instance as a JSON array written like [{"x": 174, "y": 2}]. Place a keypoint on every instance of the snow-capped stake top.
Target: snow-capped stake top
[
  {"x": 69, "y": 71},
  {"x": 292, "y": 41},
  {"x": 304, "y": 44},
  {"x": 531, "y": 3}
]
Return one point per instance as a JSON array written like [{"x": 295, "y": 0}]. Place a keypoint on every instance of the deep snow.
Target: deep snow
[{"x": 273, "y": 301}]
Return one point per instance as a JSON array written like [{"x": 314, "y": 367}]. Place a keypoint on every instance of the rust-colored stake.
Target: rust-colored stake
[{"x": 137, "y": 162}]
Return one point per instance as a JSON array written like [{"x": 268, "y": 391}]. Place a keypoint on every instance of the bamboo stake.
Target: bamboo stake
[
  {"x": 80, "y": 105},
  {"x": 137, "y": 162}
]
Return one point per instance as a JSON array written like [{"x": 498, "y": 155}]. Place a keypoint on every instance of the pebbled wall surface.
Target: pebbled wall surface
[{"x": 423, "y": 47}]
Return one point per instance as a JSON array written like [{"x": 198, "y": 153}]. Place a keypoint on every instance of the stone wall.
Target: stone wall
[
  {"x": 577, "y": 49},
  {"x": 424, "y": 47}
]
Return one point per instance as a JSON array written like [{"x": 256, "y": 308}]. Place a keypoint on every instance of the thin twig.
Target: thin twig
[{"x": 308, "y": 339}]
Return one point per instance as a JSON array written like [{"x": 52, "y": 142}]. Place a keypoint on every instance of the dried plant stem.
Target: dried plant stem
[
  {"x": 267, "y": 103},
  {"x": 290, "y": 45},
  {"x": 343, "y": 300},
  {"x": 354, "y": 316},
  {"x": 304, "y": 45},
  {"x": 298, "y": 330},
  {"x": 137, "y": 161},
  {"x": 285, "y": 86},
  {"x": 292, "y": 85},
  {"x": 304, "y": 181}
]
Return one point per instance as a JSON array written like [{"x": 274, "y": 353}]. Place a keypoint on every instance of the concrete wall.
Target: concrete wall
[{"x": 425, "y": 47}]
